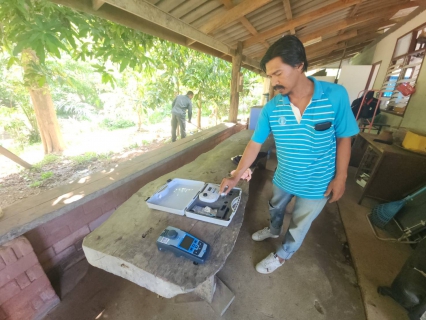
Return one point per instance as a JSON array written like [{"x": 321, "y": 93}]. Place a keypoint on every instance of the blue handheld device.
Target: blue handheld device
[{"x": 183, "y": 244}]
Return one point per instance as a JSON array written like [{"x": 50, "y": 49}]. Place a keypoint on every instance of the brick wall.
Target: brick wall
[{"x": 25, "y": 290}]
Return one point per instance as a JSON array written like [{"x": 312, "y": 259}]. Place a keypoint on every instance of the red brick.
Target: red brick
[
  {"x": 96, "y": 223},
  {"x": 47, "y": 254},
  {"x": 85, "y": 219},
  {"x": 47, "y": 294},
  {"x": 8, "y": 255},
  {"x": 58, "y": 223},
  {"x": 35, "y": 272},
  {"x": 47, "y": 306},
  {"x": 24, "y": 297},
  {"x": 95, "y": 203},
  {"x": 26, "y": 312},
  {"x": 109, "y": 205},
  {"x": 8, "y": 291},
  {"x": 3, "y": 315},
  {"x": 24, "y": 245},
  {"x": 2, "y": 264},
  {"x": 49, "y": 264},
  {"x": 14, "y": 270},
  {"x": 71, "y": 239},
  {"x": 23, "y": 280},
  {"x": 40, "y": 240},
  {"x": 37, "y": 303}
]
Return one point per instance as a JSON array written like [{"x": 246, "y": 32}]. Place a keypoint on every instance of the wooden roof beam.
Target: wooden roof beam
[
  {"x": 239, "y": 11},
  {"x": 97, "y": 4},
  {"x": 349, "y": 22},
  {"x": 331, "y": 41},
  {"x": 288, "y": 13},
  {"x": 244, "y": 21},
  {"x": 155, "y": 22},
  {"x": 304, "y": 19},
  {"x": 340, "y": 25}
]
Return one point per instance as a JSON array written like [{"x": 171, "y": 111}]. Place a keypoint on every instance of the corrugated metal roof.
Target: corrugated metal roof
[{"x": 311, "y": 20}]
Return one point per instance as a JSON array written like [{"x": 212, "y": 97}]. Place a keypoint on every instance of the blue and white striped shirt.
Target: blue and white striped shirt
[{"x": 307, "y": 157}]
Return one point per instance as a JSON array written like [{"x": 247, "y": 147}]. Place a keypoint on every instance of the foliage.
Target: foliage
[
  {"x": 84, "y": 158},
  {"x": 36, "y": 184},
  {"x": 46, "y": 175},
  {"x": 114, "y": 124},
  {"x": 48, "y": 159}
]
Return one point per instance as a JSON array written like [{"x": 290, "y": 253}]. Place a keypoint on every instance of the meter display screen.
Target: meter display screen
[{"x": 186, "y": 242}]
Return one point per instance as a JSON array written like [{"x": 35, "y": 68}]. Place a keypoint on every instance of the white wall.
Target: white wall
[
  {"x": 354, "y": 79},
  {"x": 415, "y": 115}
]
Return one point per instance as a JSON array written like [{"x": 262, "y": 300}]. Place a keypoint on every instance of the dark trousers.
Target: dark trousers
[{"x": 178, "y": 120}]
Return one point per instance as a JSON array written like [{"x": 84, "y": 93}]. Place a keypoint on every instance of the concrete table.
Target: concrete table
[{"x": 125, "y": 244}]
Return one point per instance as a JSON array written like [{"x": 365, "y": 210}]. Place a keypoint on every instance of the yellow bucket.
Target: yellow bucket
[{"x": 414, "y": 142}]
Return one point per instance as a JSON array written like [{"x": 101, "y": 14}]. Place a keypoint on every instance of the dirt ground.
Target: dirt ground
[{"x": 88, "y": 150}]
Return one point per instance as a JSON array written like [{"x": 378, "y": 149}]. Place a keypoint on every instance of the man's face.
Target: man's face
[
  {"x": 283, "y": 76},
  {"x": 191, "y": 96}
]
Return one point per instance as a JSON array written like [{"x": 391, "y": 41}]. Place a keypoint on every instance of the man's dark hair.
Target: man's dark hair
[
  {"x": 190, "y": 93},
  {"x": 291, "y": 51}
]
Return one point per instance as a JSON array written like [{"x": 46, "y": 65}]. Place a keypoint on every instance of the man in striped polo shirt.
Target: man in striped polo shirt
[{"x": 312, "y": 124}]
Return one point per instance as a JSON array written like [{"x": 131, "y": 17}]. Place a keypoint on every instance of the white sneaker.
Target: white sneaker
[
  {"x": 263, "y": 234},
  {"x": 269, "y": 264}
]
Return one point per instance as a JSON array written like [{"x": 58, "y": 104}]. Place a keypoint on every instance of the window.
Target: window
[{"x": 405, "y": 66}]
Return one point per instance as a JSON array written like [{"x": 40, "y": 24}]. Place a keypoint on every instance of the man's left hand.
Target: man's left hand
[{"x": 337, "y": 188}]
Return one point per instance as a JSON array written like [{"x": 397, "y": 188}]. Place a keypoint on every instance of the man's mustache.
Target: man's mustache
[{"x": 277, "y": 87}]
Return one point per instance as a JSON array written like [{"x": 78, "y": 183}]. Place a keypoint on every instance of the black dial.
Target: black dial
[{"x": 172, "y": 234}]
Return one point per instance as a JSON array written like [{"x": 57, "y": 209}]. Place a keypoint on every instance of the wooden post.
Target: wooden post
[
  {"x": 236, "y": 66},
  {"x": 266, "y": 85},
  {"x": 271, "y": 91},
  {"x": 14, "y": 158}
]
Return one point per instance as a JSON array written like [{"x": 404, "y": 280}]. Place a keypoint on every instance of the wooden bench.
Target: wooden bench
[{"x": 125, "y": 244}]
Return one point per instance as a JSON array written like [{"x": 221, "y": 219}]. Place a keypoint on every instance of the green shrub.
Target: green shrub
[
  {"x": 46, "y": 175},
  {"x": 36, "y": 184},
  {"x": 48, "y": 159},
  {"x": 84, "y": 158},
  {"x": 114, "y": 124}
]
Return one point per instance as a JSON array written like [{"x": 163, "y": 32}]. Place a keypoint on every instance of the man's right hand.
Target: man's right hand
[{"x": 228, "y": 184}]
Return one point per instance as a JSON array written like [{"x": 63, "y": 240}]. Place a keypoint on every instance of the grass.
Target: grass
[
  {"x": 84, "y": 158},
  {"x": 46, "y": 175},
  {"x": 36, "y": 184},
  {"x": 48, "y": 159}
]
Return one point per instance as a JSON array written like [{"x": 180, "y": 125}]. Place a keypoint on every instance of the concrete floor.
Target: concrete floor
[
  {"x": 319, "y": 282},
  {"x": 377, "y": 262}
]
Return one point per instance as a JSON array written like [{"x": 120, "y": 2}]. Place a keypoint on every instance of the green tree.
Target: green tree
[{"x": 33, "y": 30}]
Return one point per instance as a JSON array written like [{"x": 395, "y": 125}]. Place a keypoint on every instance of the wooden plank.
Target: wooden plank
[
  {"x": 151, "y": 13},
  {"x": 125, "y": 244},
  {"x": 97, "y": 4},
  {"x": 235, "y": 13},
  {"x": 331, "y": 41},
  {"x": 28, "y": 214},
  {"x": 288, "y": 13},
  {"x": 14, "y": 158},
  {"x": 236, "y": 67},
  {"x": 244, "y": 21},
  {"x": 322, "y": 12},
  {"x": 208, "y": 44},
  {"x": 343, "y": 24}
]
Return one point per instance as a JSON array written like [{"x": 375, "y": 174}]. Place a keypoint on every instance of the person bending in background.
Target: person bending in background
[
  {"x": 179, "y": 107},
  {"x": 312, "y": 124}
]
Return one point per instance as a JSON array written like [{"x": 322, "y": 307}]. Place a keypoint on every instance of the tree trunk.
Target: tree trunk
[
  {"x": 199, "y": 111},
  {"x": 47, "y": 121}
]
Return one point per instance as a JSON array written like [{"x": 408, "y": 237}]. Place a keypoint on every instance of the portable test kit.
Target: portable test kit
[
  {"x": 183, "y": 244},
  {"x": 197, "y": 200}
]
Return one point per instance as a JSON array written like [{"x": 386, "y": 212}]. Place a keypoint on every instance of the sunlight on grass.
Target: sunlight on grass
[{"x": 48, "y": 159}]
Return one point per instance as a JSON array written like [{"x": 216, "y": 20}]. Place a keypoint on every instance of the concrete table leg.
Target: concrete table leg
[{"x": 216, "y": 293}]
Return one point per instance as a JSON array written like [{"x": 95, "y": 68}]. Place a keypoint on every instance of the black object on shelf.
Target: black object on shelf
[
  {"x": 260, "y": 156},
  {"x": 409, "y": 286}
]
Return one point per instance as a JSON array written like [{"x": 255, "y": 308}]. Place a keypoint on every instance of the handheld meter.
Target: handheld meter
[{"x": 183, "y": 244}]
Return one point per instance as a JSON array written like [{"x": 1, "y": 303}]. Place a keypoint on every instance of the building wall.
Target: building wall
[{"x": 415, "y": 115}]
